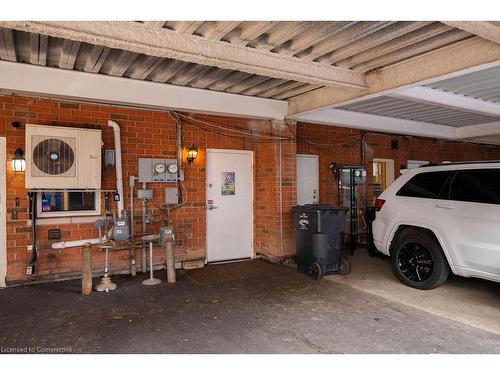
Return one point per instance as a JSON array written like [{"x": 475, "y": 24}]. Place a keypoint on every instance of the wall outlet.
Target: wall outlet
[
  {"x": 189, "y": 235},
  {"x": 29, "y": 247},
  {"x": 29, "y": 270}
]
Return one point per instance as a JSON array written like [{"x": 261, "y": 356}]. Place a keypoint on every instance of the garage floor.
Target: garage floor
[
  {"x": 471, "y": 301},
  {"x": 252, "y": 307}
]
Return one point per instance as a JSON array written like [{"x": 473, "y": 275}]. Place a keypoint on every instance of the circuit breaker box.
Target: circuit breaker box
[
  {"x": 157, "y": 170},
  {"x": 171, "y": 195}
]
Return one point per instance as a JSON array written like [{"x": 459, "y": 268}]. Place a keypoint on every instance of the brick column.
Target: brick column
[{"x": 275, "y": 194}]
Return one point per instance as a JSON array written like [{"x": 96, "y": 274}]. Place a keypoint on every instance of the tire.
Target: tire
[
  {"x": 345, "y": 269},
  {"x": 316, "y": 271},
  {"x": 418, "y": 260}
]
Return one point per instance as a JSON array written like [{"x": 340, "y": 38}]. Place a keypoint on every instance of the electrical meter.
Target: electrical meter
[
  {"x": 172, "y": 168},
  {"x": 157, "y": 170},
  {"x": 120, "y": 230},
  {"x": 160, "y": 168}
]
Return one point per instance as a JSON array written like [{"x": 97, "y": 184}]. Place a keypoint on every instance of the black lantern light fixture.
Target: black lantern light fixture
[
  {"x": 18, "y": 161},
  {"x": 192, "y": 153}
]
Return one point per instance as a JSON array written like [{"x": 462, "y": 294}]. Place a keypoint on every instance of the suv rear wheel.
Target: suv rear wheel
[{"x": 418, "y": 260}]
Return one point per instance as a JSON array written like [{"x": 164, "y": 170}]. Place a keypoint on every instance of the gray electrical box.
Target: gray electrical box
[
  {"x": 171, "y": 195},
  {"x": 157, "y": 170},
  {"x": 145, "y": 193}
]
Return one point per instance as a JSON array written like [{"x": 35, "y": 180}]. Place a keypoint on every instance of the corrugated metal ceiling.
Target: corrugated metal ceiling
[
  {"x": 425, "y": 112},
  {"x": 361, "y": 46},
  {"x": 484, "y": 85}
]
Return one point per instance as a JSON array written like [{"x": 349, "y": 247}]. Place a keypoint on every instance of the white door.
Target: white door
[
  {"x": 229, "y": 205},
  {"x": 3, "y": 213},
  {"x": 307, "y": 179}
]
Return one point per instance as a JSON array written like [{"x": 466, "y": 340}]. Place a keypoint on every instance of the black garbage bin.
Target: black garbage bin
[{"x": 318, "y": 239}]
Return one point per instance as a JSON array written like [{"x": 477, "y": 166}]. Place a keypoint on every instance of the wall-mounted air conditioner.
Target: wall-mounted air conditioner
[{"x": 62, "y": 158}]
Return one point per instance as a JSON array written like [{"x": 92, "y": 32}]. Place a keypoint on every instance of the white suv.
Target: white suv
[{"x": 441, "y": 218}]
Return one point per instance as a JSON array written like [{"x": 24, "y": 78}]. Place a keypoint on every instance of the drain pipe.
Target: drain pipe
[{"x": 118, "y": 167}]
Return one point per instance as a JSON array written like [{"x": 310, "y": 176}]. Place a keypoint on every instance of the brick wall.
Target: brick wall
[
  {"x": 276, "y": 195},
  {"x": 144, "y": 134},
  {"x": 343, "y": 147},
  {"x": 148, "y": 133}
]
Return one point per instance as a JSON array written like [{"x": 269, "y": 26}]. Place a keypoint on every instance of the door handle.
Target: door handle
[
  {"x": 212, "y": 208},
  {"x": 445, "y": 206}
]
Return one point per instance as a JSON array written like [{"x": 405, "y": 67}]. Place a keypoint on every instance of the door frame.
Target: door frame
[
  {"x": 252, "y": 172},
  {"x": 390, "y": 172},
  {"x": 311, "y": 156},
  {"x": 3, "y": 211}
]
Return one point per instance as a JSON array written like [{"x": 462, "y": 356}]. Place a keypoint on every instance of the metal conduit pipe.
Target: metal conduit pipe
[
  {"x": 131, "y": 183},
  {"x": 179, "y": 143},
  {"x": 132, "y": 248},
  {"x": 144, "y": 229}
]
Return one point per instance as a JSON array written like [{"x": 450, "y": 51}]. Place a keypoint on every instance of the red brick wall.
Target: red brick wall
[
  {"x": 344, "y": 148},
  {"x": 276, "y": 195},
  {"x": 144, "y": 134},
  {"x": 148, "y": 133}
]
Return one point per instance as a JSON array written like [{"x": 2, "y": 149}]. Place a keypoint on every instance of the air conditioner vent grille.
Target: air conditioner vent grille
[{"x": 55, "y": 156}]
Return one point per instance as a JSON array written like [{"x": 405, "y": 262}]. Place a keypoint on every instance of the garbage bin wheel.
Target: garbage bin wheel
[
  {"x": 316, "y": 271},
  {"x": 344, "y": 267}
]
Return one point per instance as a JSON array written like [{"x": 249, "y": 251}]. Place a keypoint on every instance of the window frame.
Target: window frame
[{"x": 54, "y": 214}]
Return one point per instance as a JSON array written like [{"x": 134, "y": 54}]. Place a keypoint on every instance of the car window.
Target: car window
[
  {"x": 425, "y": 185},
  {"x": 478, "y": 185}
]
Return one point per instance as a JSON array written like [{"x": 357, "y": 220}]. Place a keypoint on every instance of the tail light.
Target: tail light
[{"x": 379, "y": 203}]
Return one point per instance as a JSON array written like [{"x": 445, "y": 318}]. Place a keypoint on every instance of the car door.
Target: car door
[
  {"x": 419, "y": 198},
  {"x": 471, "y": 220}
]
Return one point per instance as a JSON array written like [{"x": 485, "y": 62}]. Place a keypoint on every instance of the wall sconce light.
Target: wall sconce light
[
  {"x": 18, "y": 161},
  {"x": 192, "y": 153}
]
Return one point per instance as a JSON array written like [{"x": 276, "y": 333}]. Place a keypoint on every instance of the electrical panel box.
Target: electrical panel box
[
  {"x": 171, "y": 195},
  {"x": 157, "y": 170},
  {"x": 144, "y": 193}
]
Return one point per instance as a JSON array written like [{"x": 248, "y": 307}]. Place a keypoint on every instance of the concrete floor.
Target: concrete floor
[
  {"x": 267, "y": 312},
  {"x": 471, "y": 301}
]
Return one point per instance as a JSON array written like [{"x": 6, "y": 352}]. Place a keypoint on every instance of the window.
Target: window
[
  {"x": 68, "y": 203},
  {"x": 478, "y": 185},
  {"x": 425, "y": 185}
]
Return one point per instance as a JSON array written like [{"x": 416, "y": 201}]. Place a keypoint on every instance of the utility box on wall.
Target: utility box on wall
[
  {"x": 62, "y": 158},
  {"x": 157, "y": 170},
  {"x": 171, "y": 195}
]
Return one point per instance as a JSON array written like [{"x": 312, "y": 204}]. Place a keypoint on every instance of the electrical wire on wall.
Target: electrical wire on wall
[
  {"x": 253, "y": 135},
  {"x": 31, "y": 266},
  {"x": 225, "y": 131}
]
